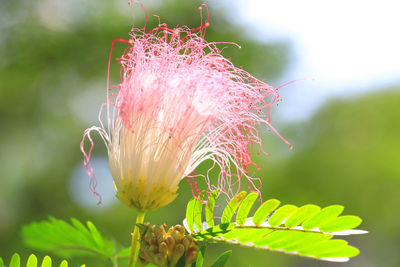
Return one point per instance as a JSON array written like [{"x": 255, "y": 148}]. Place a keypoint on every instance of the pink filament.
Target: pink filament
[{"x": 209, "y": 108}]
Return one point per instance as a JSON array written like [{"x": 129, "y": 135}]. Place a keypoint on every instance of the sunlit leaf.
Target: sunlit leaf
[
  {"x": 66, "y": 239},
  {"x": 46, "y": 262},
  {"x": 264, "y": 210},
  {"x": 15, "y": 260},
  {"x": 232, "y": 206},
  {"x": 32, "y": 261},
  {"x": 245, "y": 207},
  {"x": 301, "y": 214},
  {"x": 323, "y": 216},
  {"x": 280, "y": 214},
  {"x": 210, "y": 208},
  {"x": 306, "y": 231},
  {"x": 198, "y": 208},
  {"x": 64, "y": 263},
  {"x": 190, "y": 214},
  {"x": 341, "y": 223}
]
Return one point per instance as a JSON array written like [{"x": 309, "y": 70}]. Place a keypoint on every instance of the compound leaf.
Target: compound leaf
[
  {"x": 66, "y": 239},
  {"x": 306, "y": 231}
]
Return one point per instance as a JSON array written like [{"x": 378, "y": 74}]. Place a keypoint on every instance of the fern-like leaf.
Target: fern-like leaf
[
  {"x": 305, "y": 231},
  {"x": 66, "y": 239},
  {"x": 32, "y": 262}
]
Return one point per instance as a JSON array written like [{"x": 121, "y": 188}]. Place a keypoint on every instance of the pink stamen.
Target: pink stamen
[{"x": 180, "y": 103}]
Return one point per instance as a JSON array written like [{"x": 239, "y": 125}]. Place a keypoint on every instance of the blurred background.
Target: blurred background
[{"x": 344, "y": 126}]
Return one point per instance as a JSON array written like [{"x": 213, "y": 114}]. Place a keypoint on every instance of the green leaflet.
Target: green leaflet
[
  {"x": 98, "y": 239},
  {"x": 222, "y": 259},
  {"x": 210, "y": 208},
  {"x": 32, "y": 262},
  {"x": 301, "y": 215},
  {"x": 190, "y": 214},
  {"x": 323, "y": 216},
  {"x": 304, "y": 240},
  {"x": 234, "y": 233},
  {"x": 305, "y": 231},
  {"x": 281, "y": 214},
  {"x": 198, "y": 208},
  {"x": 232, "y": 206},
  {"x": 273, "y": 237},
  {"x": 341, "y": 223},
  {"x": 339, "y": 251},
  {"x": 15, "y": 260},
  {"x": 324, "y": 247},
  {"x": 46, "y": 262},
  {"x": 264, "y": 210},
  {"x": 245, "y": 207}
]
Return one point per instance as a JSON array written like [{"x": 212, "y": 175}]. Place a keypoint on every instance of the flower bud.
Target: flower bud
[{"x": 167, "y": 249}]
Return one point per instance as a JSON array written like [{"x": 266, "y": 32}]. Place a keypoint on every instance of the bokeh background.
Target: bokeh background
[{"x": 345, "y": 125}]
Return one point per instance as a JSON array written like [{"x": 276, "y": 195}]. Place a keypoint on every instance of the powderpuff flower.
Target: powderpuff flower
[{"x": 179, "y": 103}]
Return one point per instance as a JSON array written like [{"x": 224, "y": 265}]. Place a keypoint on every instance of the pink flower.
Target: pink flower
[{"x": 180, "y": 103}]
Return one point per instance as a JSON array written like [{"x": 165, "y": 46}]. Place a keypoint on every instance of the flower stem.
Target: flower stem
[{"x": 135, "y": 240}]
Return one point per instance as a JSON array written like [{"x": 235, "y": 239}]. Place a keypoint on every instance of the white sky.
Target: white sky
[{"x": 349, "y": 47}]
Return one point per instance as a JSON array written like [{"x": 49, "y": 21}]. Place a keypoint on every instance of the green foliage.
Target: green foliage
[
  {"x": 232, "y": 206},
  {"x": 66, "y": 239},
  {"x": 190, "y": 214},
  {"x": 200, "y": 257},
  {"x": 305, "y": 231},
  {"x": 198, "y": 207},
  {"x": 245, "y": 207},
  {"x": 210, "y": 208},
  {"x": 222, "y": 259},
  {"x": 33, "y": 262},
  {"x": 219, "y": 262},
  {"x": 264, "y": 210}
]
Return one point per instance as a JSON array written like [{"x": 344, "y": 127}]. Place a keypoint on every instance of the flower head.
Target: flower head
[{"x": 180, "y": 103}]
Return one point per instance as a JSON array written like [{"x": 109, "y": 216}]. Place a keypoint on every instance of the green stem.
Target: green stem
[{"x": 135, "y": 240}]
